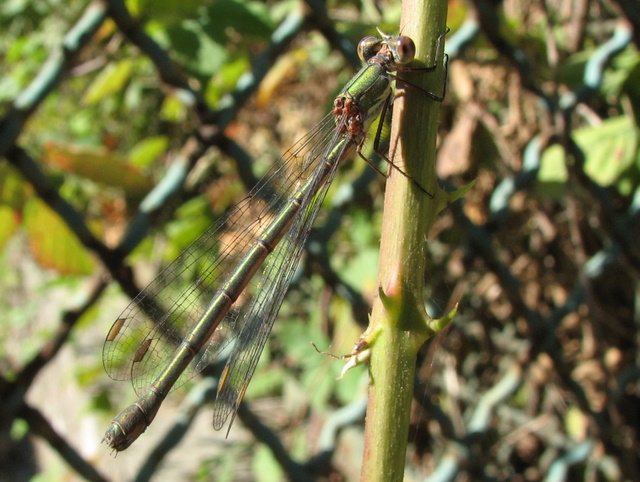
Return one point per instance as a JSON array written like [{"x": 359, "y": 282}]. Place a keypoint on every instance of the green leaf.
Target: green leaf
[
  {"x": 225, "y": 79},
  {"x": 196, "y": 50},
  {"x": 610, "y": 151},
  {"x": 19, "y": 429},
  {"x": 191, "y": 220},
  {"x": 13, "y": 191},
  {"x": 575, "y": 422},
  {"x": 110, "y": 80},
  {"x": 267, "y": 382},
  {"x": 250, "y": 18},
  {"x": 52, "y": 243},
  {"x": 173, "y": 109},
  {"x": 148, "y": 150},
  {"x": 166, "y": 10},
  {"x": 623, "y": 74},
  {"x": 9, "y": 221},
  {"x": 361, "y": 269},
  {"x": 265, "y": 467},
  {"x": 296, "y": 338}
]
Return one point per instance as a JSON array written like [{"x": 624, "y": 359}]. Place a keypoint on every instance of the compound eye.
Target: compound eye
[
  {"x": 405, "y": 50},
  {"x": 368, "y": 47}
]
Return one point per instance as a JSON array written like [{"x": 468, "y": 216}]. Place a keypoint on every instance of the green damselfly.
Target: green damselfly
[{"x": 227, "y": 287}]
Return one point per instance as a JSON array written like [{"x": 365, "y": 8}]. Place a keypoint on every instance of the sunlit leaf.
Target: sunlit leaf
[
  {"x": 9, "y": 221},
  {"x": 284, "y": 67},
  {"x": 610, "y": 150},
  {"x": 13, "y": 193},
  {"x": 13, "y": 190},
  {"x": 191, "y": 220},
  {"x": 195, "y": 50},
  {"x": 173, "y": 109},
  {"x": 100, "y": 165},
  {"x": 265, "y": 467},
  {"x": 266, "y": 382},
  {"x": 623, "y": 73},
  {"x": 225, "y": 79},
  {"x": 575, "y": 422},
  {"x": 89, "y": 373},
  {"x": 110, "y": 80},
  {"x": 19, "y": 428},
  {"x": 52, "y": 243},
  {"x": 148, "y": 150}
]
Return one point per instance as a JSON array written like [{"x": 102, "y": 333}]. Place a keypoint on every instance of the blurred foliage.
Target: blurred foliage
[
  {"x": 111, "y": 130},
  {"x": 612, "y": 155}
]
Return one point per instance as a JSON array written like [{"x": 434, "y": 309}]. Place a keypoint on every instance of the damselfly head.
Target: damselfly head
[{"x": 402, "y": 48}]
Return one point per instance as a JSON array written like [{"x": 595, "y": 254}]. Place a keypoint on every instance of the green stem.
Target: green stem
[{"x": 399, "y": 324}]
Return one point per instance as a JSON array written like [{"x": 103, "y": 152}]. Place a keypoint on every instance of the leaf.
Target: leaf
[
  {"x": 267, "y": 382},
  {"x": 575, "y": 422},
  {"x": 250, "y": 18},
  {"x": 52, "y": 243},
  {"x": 173, "y": 109},
  {"x": 622, "y": 75},
  {"x": 100, "y": 165},
  {"x": 13, "y": 194},
  {"x": 13, "y": 191},
  {"x": 610, "y": 150},
  {"x": 196, "y": 50},
  {"x": 9, "y": 221},
  {"x": 265, "y": 467},
  {"x": 148, "y": 150},
  {"x": 191, "y": 220},
  {"x": 110, "y": 80},
  {"x": 166, "y": 10},
  {"x": 280, "y": 72},
  {"x": 226, "y": 79}
]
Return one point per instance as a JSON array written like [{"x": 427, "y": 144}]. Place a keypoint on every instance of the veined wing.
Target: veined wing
[
  {"x": 256, "y": 318},
  {"x": 145, "y": 336}
]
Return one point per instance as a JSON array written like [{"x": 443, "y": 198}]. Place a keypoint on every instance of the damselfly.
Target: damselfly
[{"x": 227, "y": 287}]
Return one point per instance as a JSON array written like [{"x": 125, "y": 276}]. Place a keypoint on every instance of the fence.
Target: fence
[{"x": 537, "y": 376}]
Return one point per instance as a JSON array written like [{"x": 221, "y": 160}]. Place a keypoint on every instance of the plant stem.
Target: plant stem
[{"x": 399, "y": 324}]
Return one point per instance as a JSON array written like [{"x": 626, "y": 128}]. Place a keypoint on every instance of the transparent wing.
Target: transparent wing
[
  {"x": 147, "y": 333},
  {"x": 256, "y": 318}
]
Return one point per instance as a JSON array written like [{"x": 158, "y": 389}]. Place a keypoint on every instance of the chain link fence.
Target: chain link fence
[{"x": 124, "y": 137}]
